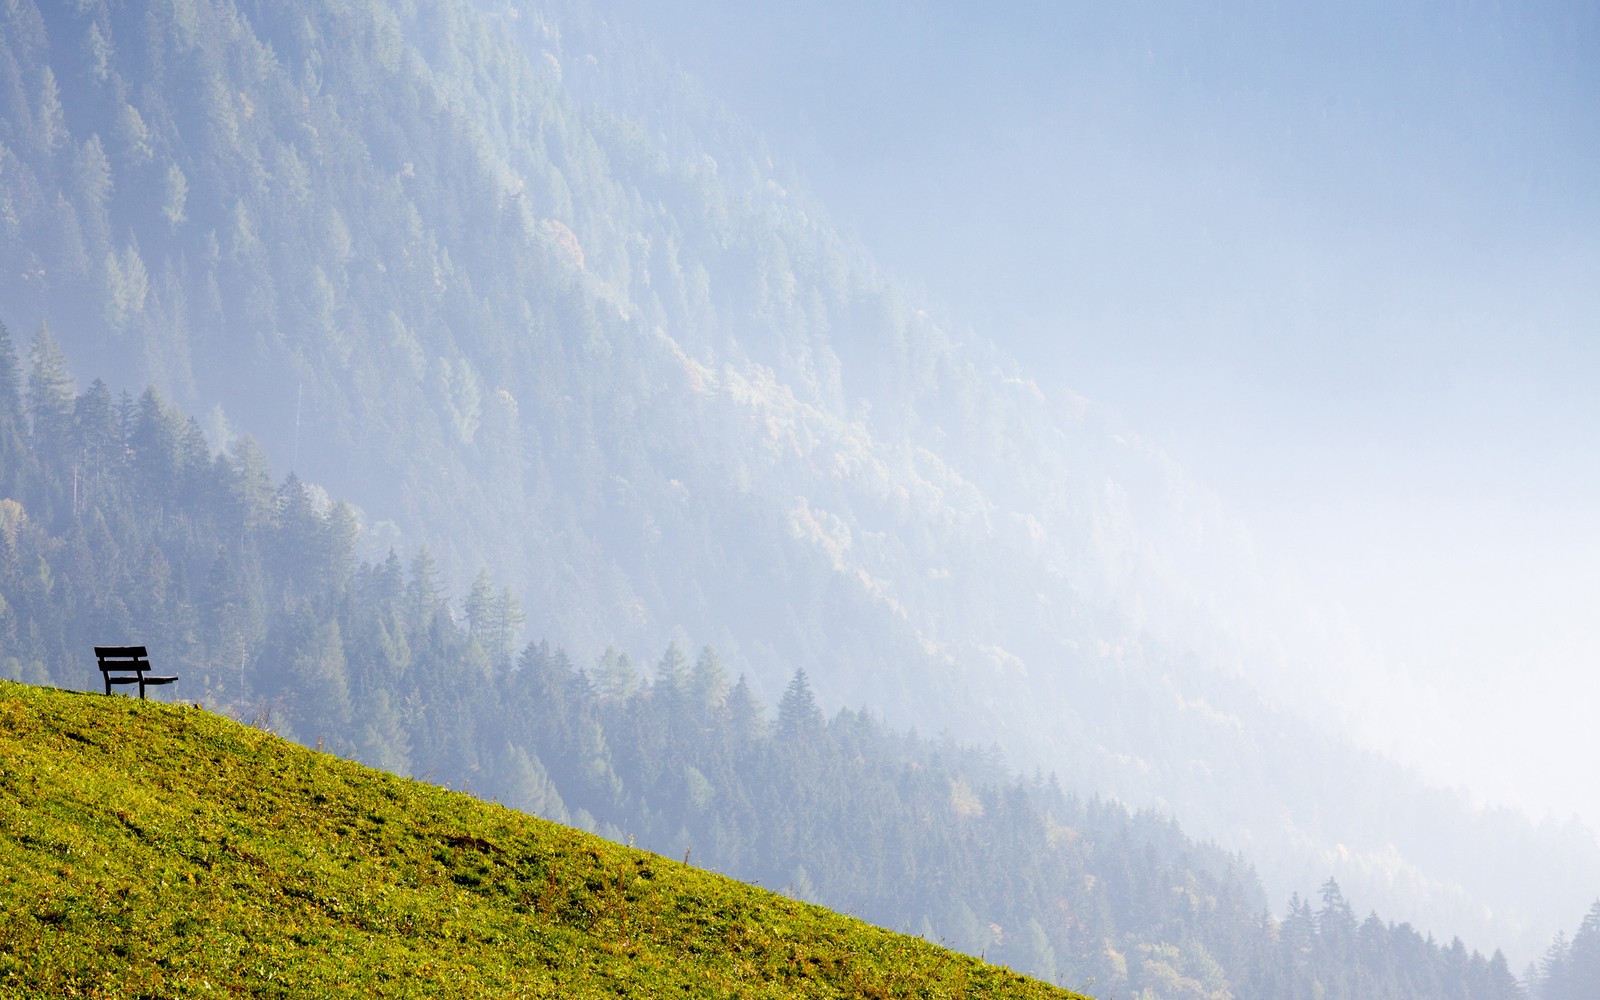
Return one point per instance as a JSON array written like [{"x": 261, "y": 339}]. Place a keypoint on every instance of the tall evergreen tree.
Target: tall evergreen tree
[
  {"x": 1500, "y": 984},
  {"x": 746, "y": 719},
  {"x": 321, "y": 677},
  {"x": 250, "y": 487},
  {"x": 299, "y": 539},
  {"x": 493, "y": 618},
  {"x": 10, "y": 382},
  {"x": 479, "y": 607},
  {"x": 614, "y": 677},
  {"x": 97, "y": 440},
  {"x": 50, "y": 395},
  {"x": 1555, "y": 972},
  {"x": 425, "y": 594},
  {"x": 799, "y": 718},
  {"x": 671, "y": 680},
  {"x": 1583, "y": 960},
  {"x": 13, "y": 431},
  {"x": 509, "y": 619},
  {"x": 157, "y": 456},
  {"x": 708, "y": 682}
]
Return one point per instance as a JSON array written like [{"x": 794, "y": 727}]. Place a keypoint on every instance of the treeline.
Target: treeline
[{"x": 119, "y": 523}]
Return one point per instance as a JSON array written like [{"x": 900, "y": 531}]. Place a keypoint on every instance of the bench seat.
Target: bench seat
[{"x": 128, "y": 665}]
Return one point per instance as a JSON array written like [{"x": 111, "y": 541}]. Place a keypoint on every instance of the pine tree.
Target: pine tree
[
  {"x": 13, "y": 431},
  {"x": 479, "y": 609},
  {"x": 746, "y": 718},
  {"x": 708, "y": 683},
  {"x": 509, "y": 619},
  {"x": 194, "y": 485},
  {"x": 614, "y": 677},
  {"x": 50, "y": 396},
  {"x": 10, "y": 383},
  {"x": 1501, "y": 984},
  {"x": 1336, "y": 942},
  {"x": 1297, "y": 936},
  {"x": 425, "y": 593},
  {"x": 154, "y": 441},
  {"x": 1583, "y": 960},
  {"x": 250, "y": 486},
  {"x": 672, "y": 675},
  {"x": 341, "y": 529},
  {"x": 388, "y": 583},
  {"x": 1555, "y": 979},
  {"x": 799, "y": 718},
  {"x": 298, "y": 539},
  {"x": 95, "y": 436}
]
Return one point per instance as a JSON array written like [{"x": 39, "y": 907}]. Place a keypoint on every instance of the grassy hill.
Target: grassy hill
[{"x": 159, "y": 850}]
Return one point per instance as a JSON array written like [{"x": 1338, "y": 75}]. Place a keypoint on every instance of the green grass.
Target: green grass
[{"x": 153, "y": 850}]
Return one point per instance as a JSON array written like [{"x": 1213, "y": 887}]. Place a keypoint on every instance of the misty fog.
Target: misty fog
[{"x": 1343, "y": 264}]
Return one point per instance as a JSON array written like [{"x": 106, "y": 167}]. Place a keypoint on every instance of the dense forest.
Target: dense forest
[
  {"x": 120, "y": 523},
  {"x": 519, "y": 293}
]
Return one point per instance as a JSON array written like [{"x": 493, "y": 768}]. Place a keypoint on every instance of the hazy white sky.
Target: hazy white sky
[{"x": 1343, "y": 263}]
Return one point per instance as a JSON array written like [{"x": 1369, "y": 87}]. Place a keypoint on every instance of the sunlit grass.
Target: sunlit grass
[{"x": 151, "y": 850}]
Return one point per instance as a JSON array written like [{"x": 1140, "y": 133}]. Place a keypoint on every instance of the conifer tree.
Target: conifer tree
[
  {"x": 1501, "y": 984},
  {"x": 50, "y": 395},
  {"x": 10, "y": 382},
  {"x": 323, "y": 685},
  {"x": 155, "y": 446},
  {"x": 509, "y": 619},
  {"x": 341, "y": 530},
  {"x": 479, "y": 608},
  {"x": 13, "y": 431},
  {"x": 708, "y": 683},
  {"x": 671, "y": 680},
  {"x": 298, "y": 538},
  {"x": 250, "y": 487},
  {"x": 746, "y": 717},
  {"x": 425, "y": 593},
  {"x": 614, "y": 677},
  {"x": 388, "y": 583},
  {"x": 1583, "y": 960},
  {"x": 493, "y": 618},
  {"x": 799, "y": 718},
  {"x": 1555, "y": 971},
  {"x": 95, "y": 436}
]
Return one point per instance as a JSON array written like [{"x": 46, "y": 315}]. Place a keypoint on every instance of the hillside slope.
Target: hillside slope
[{"x": 150, "y": 849}]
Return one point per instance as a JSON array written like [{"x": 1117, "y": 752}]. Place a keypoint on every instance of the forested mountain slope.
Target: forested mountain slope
[
  {"x": 494, "y": 275},
  {"x": 128, "y": 527}
]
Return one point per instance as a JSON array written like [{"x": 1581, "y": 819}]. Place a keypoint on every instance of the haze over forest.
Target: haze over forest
[
  {"x": 1191, "y": 404},
  {"x": 1341, "y": 264}
]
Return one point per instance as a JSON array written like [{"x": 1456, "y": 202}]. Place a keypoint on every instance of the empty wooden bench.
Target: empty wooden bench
[{"x": 128, "y": 665}]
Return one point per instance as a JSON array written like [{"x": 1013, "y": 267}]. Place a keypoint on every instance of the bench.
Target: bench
[{"x": 128, "y": 665}]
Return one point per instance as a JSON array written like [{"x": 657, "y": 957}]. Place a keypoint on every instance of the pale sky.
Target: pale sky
[{"x": 1343, "y": 263}]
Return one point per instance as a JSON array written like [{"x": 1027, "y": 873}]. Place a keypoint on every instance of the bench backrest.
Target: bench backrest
[{"x": 122, "y": 658}]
